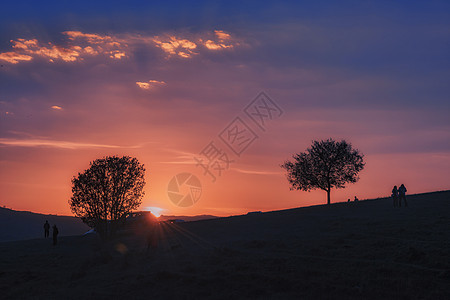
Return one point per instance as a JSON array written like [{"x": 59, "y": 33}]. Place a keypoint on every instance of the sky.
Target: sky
[{"x": 169, "y": 83}]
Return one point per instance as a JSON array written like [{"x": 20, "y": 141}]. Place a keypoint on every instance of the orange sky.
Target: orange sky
[
  {"x": 37, "y": 172},
  {"x": 77, "y": 93}
]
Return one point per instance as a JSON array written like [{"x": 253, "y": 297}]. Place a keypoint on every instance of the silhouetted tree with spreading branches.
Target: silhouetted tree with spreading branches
[
  {"x": 325, "y": 165},
  {"x": 107, "y": 191}
]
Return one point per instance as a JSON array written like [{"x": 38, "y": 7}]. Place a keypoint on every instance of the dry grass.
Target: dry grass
[{"x": 346, "y": 251}]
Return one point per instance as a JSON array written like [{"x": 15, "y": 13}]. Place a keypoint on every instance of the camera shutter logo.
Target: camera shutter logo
[{"x": 184, "y": 189}]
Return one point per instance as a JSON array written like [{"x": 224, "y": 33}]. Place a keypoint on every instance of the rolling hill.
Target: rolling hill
[
  {"x": 364, "y": 250},
  {"x": 21, "y": 225}
]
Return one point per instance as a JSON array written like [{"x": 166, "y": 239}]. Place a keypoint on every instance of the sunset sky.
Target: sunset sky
[{"x": 80, "y": 80}]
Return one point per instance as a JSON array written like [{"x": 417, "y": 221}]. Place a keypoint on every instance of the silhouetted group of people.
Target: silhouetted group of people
[
  {"x": 47, "y": 232},
  {"x": 398, "y": 195},
  {"x": 355, "y": 200}
]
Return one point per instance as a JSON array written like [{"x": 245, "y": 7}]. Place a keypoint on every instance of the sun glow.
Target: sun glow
[{"x": 156, "y": 211}]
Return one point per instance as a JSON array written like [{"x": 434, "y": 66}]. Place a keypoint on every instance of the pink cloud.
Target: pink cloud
[
  {"x": 80, "y": 45},
  {"x": 211, "y": 45},
  {"x": 50, "y": 143},
  {"x": 149, "y": 84},
  {"x": 14, "y": 58},
  {"x": 222, "y": 40},
  {"x": 176, "y": 46},
  {"x": 91, "y": 37},
  {"x": 222, "y": 35},
  {"x": 117, "y": 54},
  {"x": 32, "y": 48},
  {"x": 186, "y": 48}
]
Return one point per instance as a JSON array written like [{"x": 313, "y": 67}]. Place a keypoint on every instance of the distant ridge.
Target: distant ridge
[
  {"x": 22, "y": 225},
  {"x": 187, "y": 218}
]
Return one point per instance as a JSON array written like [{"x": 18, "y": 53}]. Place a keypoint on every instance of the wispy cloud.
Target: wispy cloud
[
  {"x": 79, "y": 45},
  {"x": 14, "y": 58},
  {"x": 173, "y": 45},
  {"x": 56, "y": 107},
  {"x": 92, "y": 38},
  {"x": 186, "y": 48},
  {"x": 49, "y": 51},
  {"x": 181, "y": 158},
  {"x": 180, "y": 162},
  {"x": 147, "y": 85},
  {"x": 54, "y": 144},
  {"x": 222, "y": 35},
  {"x": 256, "y": 172},
  {"x": 223, "y": 41}
]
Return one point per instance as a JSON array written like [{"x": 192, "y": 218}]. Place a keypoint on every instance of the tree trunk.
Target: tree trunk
[{"x": 328, "y": 196}]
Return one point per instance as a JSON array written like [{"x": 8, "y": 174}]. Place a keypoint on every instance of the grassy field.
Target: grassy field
[{"x": 365, "y": 250}]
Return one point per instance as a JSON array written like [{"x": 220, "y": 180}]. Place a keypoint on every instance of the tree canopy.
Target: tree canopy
[
  {"x": 325, "y": 165},
  {"x": 107, "y": 191}
]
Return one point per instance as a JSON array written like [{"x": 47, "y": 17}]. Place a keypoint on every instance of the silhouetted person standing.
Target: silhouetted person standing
[
  {"x": 402, "y": 195},
  {"x": 395, "y": 196},
  {"x": 356, "y": 199},
  {"x": 55, "y": 234},
  {"x": 46, "y": 229}
]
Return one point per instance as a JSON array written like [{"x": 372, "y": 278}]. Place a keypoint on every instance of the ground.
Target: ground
[{"x": 365, "y": 250}]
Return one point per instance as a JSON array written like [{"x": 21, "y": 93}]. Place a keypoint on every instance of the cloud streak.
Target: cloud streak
[
  {"x": 54, "y": 144},
  {"x": 147, "y": 85},
  {"x": 14, "y": 58},
  {"x": 254, "y": 172}
]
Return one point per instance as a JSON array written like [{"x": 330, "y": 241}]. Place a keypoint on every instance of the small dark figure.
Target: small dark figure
[
  {"x": 55, "y": 234},
  {"x": 356, "y": 199},
  {"x": 46, "y": 229},
  {"x": 402, "y": 195},
  {"x": 348, "y": 200},
  {"x": 395, "y": 196}
]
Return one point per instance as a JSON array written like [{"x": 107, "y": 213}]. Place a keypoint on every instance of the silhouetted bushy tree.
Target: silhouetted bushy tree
[
  {"x": 325, "y": 165},
  {"x": 107, "y": 191}
]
